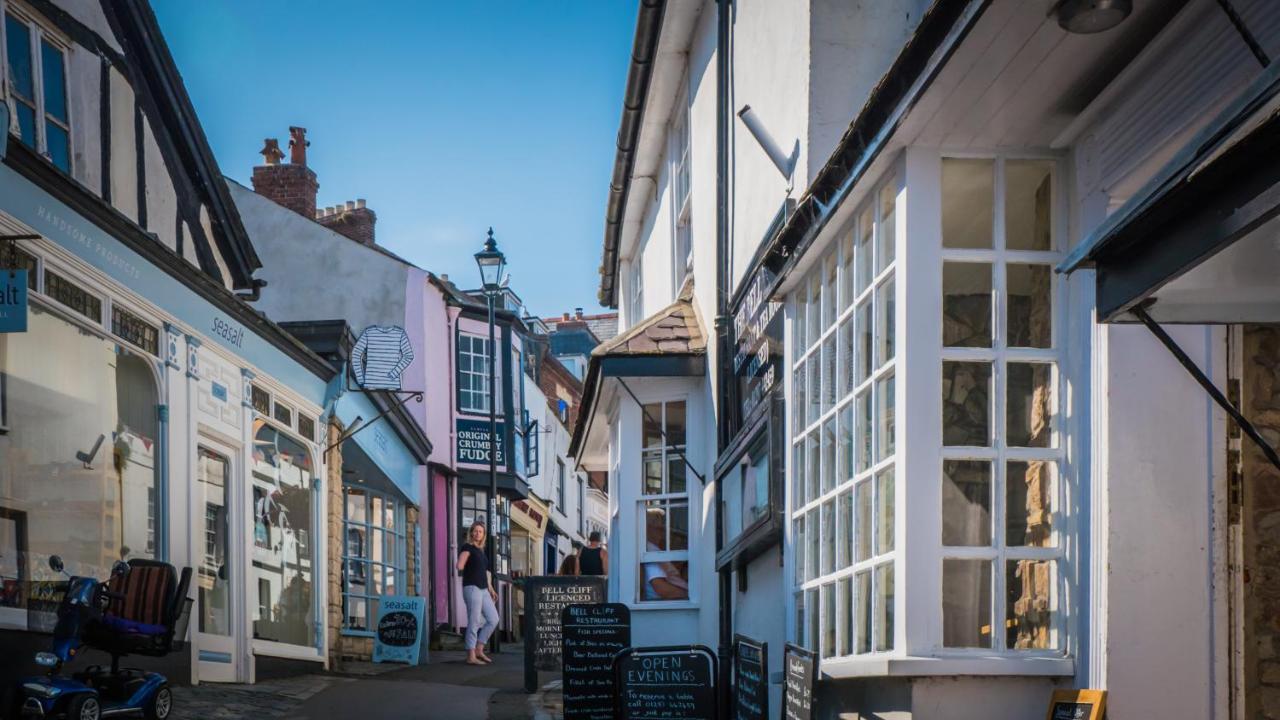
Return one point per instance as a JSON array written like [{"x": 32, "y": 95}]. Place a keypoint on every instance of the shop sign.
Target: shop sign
[
  {"x": 532, "y": 514},
  {"x": 1078, "y": 704},
  {"x": 473, "y": 442},
  {"x": 13, "y": 301},
  {"x": 750, "y": 679},
  {"x": 757, "y": 342},
  {"x": 666, "y": 682},
  {"x": 545, "y": 598},
  {"x": 593, "y": 636},
  {"x": 399, "y": 630},
  {"x": 800, "y": 676}
]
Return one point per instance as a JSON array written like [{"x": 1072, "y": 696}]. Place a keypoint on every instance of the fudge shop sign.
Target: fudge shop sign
[{"x": 473, "y": 442}]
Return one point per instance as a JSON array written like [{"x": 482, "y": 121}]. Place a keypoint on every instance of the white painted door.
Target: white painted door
[{"x": 216, "y": 577}]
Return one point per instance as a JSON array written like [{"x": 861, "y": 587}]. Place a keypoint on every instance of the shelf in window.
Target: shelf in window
[{"x": 888, "y": 665}]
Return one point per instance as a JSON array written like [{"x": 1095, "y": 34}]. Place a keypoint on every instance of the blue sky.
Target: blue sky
[{"x": 448, "y": 117}]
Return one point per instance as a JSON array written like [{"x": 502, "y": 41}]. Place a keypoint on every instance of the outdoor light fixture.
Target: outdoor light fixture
[
  {"x": 786, "y": 164},
  {"x": 1086, "y": 17},
  {"x": 491, "y": 262}
]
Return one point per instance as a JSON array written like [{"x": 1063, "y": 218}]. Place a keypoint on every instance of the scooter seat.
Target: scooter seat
[{"x": 132, "y": 627}]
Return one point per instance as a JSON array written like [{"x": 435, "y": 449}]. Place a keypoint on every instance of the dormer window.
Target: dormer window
[{"x": 35, "y": 65}]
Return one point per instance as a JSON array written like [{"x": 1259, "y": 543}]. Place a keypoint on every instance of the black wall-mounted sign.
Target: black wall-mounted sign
[
  {"x": 473, "y": 442},
  {"x": 593, "y": 636},
  {"x": 750, "y": 679},
  {"x": 545, "y": 598},
  {"x": 666, "y": 683},
  {"x": 800, "y": 673},
  {"x": 757, "y": 337}
]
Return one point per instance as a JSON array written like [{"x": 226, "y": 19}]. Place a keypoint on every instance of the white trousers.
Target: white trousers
[{"x": 482, "y": 615}]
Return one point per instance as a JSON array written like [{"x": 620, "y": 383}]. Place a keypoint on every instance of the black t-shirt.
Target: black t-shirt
[
  {"x": 476, "y": 571},
  {"x": 591, "y": 562}
]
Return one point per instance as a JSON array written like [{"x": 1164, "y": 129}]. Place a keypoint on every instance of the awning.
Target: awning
[{"x": 1199, "y": 242}]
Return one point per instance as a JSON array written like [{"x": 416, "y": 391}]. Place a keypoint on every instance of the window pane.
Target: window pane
[
  {"x": 675, "y": 423},
  {"x": 884, "y": 511},
  {"x": 655, "y": 526},
  {"x": 797, "y": 475},
  {"x": 966, "y": 404},
  {"x": 55, "y": 89},
  {"x": 885, "y": 330},
  {"x": 815, "y": 306},
  {"x": 862, "y": 612},
  {"x": 800, "y": 618},
  {"x": 1029, "y": 587},
  {"x": 864, "y": 427},
  {"x": 966, "y": 304},
  {"x": 866, "y": 225},
  {"x": 59, "y": 146},
  {"x": 829, "y": 293},
  {"x": 811, "y": 560},
  {"x": 844, "y": 538},
  {"x": 679, "y": 514},
  {"x": 815, "y": 386},
  {"x": 862, "y": 523},
  {"x": 1030, "y": 404},
  {"x": 811, "y": 643},
  {"x": 844, "y": 467},
  {"x": 968, "y": 192},
  {"x": 884, "y": 607},
  {"x": 846, "y": 271},
  {"x": 283, "y": 519},
  {"x": 829, "y": 455},
  {"x": 966, "y": 502},
  {"x": 887, "y": 236},
  {"x": 798, "y": 418},
  {"x": 800, "y": 545},
  {"x": 828, "y": 537},
  {"x": 26, "y": 123},
  {"x": 664, "y": 580},
  {"x": 1030, "y": 309},
  {"x": 21, "y": 71},
  {"x": 886, "y": 441},
  {"x": 814, "y": 454},
  {"x": 653, "y": 472},
  {"x": 966, "y": 603},
  {"x": 357, "y": 612},
  {"x": 847, "y": 363},
  {"x": 828, "y": 621},
  {"x": 829, "y": 373},
  {"x": 1029, "y": 503},
  {"x": 356, "y": 506},
  {"x": 676, "y": 472},
  {"x": 1028, "y": 204},
  {"x": 844, "y": 607},
  {"x": 862, "y": 353},
  {"x": 652, "y": 418}
]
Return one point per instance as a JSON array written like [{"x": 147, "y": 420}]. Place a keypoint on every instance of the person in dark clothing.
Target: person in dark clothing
[
  {"x": 594, "y": 559},
  {"x": 482, "y": 612},
  {"x": 569, "y": 566}
]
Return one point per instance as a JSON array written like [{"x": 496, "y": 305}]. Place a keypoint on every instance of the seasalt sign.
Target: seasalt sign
[{"x": 13, "y": 301}]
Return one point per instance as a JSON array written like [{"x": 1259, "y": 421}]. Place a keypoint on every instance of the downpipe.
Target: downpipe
[{"x": 724, "y": 19}]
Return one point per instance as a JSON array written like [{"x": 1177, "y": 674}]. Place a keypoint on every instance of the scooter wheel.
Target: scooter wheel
[
  {"x": 84, "y": 707},
  {"x": 161, "y": 704}
]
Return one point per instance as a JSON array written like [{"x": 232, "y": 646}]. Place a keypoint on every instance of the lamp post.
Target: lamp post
[{"x": 492, "y": 263}]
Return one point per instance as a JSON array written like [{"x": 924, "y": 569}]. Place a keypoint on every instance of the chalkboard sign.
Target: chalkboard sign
[
  {"x": 666, "y": 683},
  {"x": 800, "y": 670},
  {"x": 1077, "y": 704},
  {"x": 750, "y": 679},
  {"x": 545, "y": 597},
  {"x": 398, "y": 636},
  {"x": 593, "y": 635}
]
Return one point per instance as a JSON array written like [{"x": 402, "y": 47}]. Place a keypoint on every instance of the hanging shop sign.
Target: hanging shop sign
[
  {"x": 380, "y": 356},
  {"x": 757, "y": 345},
  {"x": 13, "y": 301},
  {"x": 750, "y": 679},
  {"x": 666, "y": 682},
  {"x": 473, "y": 442},
  {"x": 1077, "y": 705},
  {"x": 545, "y": 599},
  {"x": 399, "y": 633},
  {"x": 593, "y": 636},
  {"x": 800, "y": 676}
]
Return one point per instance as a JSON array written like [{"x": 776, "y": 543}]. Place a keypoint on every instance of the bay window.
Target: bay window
[{"x": 663, "y": 505}]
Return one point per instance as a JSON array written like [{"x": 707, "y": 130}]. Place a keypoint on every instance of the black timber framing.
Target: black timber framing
[
  {"x": 1234, "y": 195},
  {"x": 673, "y": 365}
]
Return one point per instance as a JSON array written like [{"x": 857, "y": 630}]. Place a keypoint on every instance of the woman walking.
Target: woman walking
[{"x": 478, "y": 594}]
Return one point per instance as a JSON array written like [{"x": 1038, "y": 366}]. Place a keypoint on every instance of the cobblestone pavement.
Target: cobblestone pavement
[{"x": 271, "y": 699}]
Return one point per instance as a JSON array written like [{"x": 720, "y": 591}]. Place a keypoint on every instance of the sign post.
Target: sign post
[
  {"x": 545, "y": 598},
  {"x": 750, "y": 679},
  {"x": 800, "y": 673},
  {"x": 593, "y": 636},
  {"x": 399, "y": 633},
  {"x": 666, "y": 682}
]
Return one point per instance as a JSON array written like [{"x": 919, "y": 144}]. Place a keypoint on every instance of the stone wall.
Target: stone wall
[
  {"x": 333, "y": 528},
  {"x": 1261, "y": 519}
]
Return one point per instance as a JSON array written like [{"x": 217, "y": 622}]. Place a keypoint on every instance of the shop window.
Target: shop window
[
  {"x": 999, "y": 406},
  {"x": 213, "y": 473},
  {"x": 127, "y": 326},
  {"x": 36, "y": 69},
  {"x": 373, "y": 555},
  {"x": 72, "y": 296},
  {"x": 664, "y": 504},
  {"x": 78, "y": 475},
  {"x": 284, "y": 502},
  {"x": 843, "y": 440},
  {"x": 261, "y": 400},
  {"x": 307, "y": 427},
  {"x": 283, "y": 415}
]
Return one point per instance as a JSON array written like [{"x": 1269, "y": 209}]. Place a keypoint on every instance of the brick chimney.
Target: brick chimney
[
  {"x": 352, "y": 219},
  {"x": 294, "y": 185}
]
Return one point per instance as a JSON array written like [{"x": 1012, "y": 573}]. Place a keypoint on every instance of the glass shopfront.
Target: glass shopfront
[{"x": 79, "y": 433}]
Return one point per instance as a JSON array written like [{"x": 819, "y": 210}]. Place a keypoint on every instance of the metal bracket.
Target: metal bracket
[{"x": 404, "y": 397}]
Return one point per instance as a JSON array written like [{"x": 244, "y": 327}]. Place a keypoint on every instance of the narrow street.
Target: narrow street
[{"x": 446, "y": 687}]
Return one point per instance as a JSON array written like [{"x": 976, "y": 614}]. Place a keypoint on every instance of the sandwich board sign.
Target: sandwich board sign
[{"x": 398, "y": 636}]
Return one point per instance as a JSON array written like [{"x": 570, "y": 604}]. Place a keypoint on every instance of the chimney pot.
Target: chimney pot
[
  {"x": 351, "y": 205},
  {"x": 359, "y": 202},
  {"x": 298, "y": 144},
  {"x": 577, "y": 313},
  {"x": 292, "y": 186}
]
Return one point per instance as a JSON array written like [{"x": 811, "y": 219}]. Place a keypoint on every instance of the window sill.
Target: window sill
[
  {"x": 357, "y": 633},
  {"x": 919, "y": 666},
  {"x": 663, "y": 605}
]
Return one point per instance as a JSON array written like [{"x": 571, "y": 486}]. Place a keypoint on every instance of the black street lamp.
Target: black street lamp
[{"x": 492, "y": 263}]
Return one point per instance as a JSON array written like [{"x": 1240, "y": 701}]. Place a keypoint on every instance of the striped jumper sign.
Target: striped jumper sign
[{"x": 380, "y": 355}]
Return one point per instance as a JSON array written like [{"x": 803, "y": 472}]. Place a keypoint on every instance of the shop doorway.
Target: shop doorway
[{"x": 219, "y": 580}]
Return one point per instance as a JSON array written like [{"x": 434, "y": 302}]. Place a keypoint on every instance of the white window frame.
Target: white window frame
[
  {"x": 482, "y": 377},
  {"x": 396, "y": 564},
  {"x": 679, "y": 149},
  {"x": 39, "y": 34},
  {"x": 644, "y": 555},
  {"x": 997, "y": 452},
  {"x": 839, "y": 301},
  {"x": 636, "y": 309},
  {"x": 560, "y": 489}
]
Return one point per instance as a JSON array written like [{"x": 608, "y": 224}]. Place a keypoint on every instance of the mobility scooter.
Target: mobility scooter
[{"x": 142, "y": 609}]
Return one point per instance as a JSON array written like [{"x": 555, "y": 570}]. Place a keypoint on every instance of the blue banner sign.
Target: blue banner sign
[
  {"x": 13, "y": 301},
  {"x": 398, "y": 635},
  {"x": 473, "y": 442}
]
